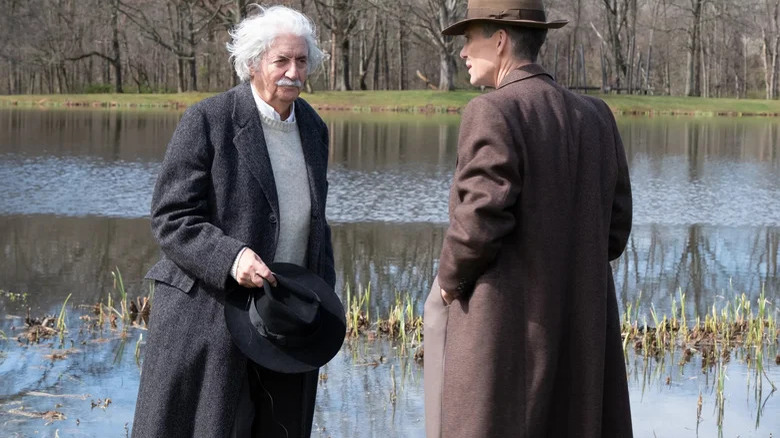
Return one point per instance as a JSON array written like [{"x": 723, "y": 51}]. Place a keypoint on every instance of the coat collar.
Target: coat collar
[
  {"x": 250, "y": 142},
  {"x": 524, "y": 72}
]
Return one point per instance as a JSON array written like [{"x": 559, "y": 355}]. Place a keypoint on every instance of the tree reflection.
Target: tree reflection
[{"x": 704, "y": 262}]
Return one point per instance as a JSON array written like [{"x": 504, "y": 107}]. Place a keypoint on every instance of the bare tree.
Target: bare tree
[
  {"x": 177, "y": 30},
  {"x": 340, "y": 17},
  {"x": 767, "y": 21},
  {"x": 693, "y": 79},
  {"x": 696, "y": 47},
  {"x": 426, "y": 19},
  {"x": 616, "y": 18},
  {"x": 114, "y": 56}
]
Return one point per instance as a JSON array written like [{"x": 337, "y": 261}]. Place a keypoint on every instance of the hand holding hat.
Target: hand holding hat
[{"x": 295, "y": 327}]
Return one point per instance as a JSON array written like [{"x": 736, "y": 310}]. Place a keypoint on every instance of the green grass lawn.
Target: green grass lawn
[{"x": 414, "y": 100}]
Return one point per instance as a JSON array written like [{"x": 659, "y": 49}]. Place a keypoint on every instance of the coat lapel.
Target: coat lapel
[
  {"x": 250, "y": 142},
  {"x": 316, "y": 167},
  {"x": 524, "y": 72}
]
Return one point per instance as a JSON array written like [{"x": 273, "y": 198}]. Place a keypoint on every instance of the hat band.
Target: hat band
[
  {"x": 276, "y": 338},
  {"x": 511, "y": 14}
]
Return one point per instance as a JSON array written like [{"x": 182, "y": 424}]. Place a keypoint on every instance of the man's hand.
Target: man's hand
[
  {"x": 252, "y": 270},
  {"x": 446, "y": 297}
]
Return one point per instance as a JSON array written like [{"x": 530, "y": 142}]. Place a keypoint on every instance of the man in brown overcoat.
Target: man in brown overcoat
[{"x": 522, "y": 333}]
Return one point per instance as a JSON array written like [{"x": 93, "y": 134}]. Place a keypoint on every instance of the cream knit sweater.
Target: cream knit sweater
[{"x": 292, "y": 188}]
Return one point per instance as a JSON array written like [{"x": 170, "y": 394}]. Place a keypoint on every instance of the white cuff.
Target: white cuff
[{"x": 234, "y": 269}]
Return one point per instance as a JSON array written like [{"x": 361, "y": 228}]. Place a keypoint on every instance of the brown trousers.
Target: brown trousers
[
  {"x": 275, "y": 405},
  {"x": 435, "y": 316}
]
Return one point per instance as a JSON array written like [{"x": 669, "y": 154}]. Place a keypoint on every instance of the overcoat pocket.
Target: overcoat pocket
[{"x": 166, "y": 271}]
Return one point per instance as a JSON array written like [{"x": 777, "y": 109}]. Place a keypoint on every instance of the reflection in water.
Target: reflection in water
[
  {"x": 396, "y": 169},
  {"x": 353, "y": 399},
  {"x": 702, "y": 139},
  {"x": 50, "y": 257},
  {"x": 715, "y": 172},
  {"x": 105, "y": 135},
  {"x": 665, "y": 393},
  {"x": 367, "y": 390},
  {"x": 707, "y": 264},
  {"x": 376, "y": 144}
]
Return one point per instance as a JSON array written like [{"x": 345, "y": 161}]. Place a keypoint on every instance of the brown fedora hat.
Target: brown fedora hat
[{"x": 524, "y": 13}]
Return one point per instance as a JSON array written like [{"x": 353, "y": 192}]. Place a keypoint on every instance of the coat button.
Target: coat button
[{"x": 272, "y": 218}]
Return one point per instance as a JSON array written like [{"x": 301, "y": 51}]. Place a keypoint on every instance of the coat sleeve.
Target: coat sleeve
[
  {"x": 328, "y": 266},
  {"x": 621, "y": 217},
  {"x": 485, "y": 187},
  {"x": 180, "y": 206}
]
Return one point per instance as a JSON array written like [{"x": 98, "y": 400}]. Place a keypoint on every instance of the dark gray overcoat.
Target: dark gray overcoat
[
  {"x": 215, "y": 194},
  {"x": 540, "y": 203}
]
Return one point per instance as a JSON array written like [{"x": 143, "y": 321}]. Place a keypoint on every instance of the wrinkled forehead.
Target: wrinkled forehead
[{"x": 288, "y": 46}]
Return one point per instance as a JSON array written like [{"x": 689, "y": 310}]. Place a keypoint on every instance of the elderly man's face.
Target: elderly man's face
[
  {"x": 481, "y": 55},
  {"x": 279, "y": 75}
]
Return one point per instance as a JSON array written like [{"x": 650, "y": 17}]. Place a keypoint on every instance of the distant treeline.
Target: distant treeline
[{"x": 707, "y": 48}]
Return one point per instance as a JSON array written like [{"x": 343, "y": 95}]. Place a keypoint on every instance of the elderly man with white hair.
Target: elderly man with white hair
[{"x": 243, "y": 185}]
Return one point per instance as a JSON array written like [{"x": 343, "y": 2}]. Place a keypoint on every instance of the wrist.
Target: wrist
[{"x": 234, "y": 268}]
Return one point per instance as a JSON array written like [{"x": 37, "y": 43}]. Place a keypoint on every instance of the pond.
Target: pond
[{"x": 74, "y": 206}]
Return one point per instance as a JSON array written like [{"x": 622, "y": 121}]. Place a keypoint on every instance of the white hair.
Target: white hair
[{"x": 254, "y": 35}]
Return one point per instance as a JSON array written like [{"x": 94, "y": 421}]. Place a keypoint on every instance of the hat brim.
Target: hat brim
[
  {"x": 320, "y": 349},
  {"x": 460, "y": 27}
]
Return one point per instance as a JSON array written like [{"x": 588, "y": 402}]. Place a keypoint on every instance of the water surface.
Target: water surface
[{"x": 75, "y": 188}]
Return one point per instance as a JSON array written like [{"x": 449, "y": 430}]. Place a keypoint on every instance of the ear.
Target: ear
[{"x": 502, "y": 41}]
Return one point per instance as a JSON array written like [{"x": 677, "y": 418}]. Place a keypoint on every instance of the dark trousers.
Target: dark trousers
[{"x": 275, "y": 405}]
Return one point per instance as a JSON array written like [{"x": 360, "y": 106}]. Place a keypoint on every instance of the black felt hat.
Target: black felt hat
[{"x": 295, "y": 327}]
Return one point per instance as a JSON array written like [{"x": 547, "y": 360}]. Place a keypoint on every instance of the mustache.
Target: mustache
[{"x": 284, "y": 82}]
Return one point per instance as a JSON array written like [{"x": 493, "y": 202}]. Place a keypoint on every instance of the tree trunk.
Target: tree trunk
[
  {"x": 362, "y": 65},
  {"x": 332, "y": 75},
  {"x": 180, "y": 85},
  {"x": 343, "y": 74},
  {"x": 693, "y": 82},
  {"x": 570, "y": 63},
  {"x": 582, "y": 64},
  {"x": 603, "y": 69},
  {"x": 377, "y": 34},
  {"x": 192, "y": 61},
  {"x": 630, "y": 73},
  {"x": 117, "y": 61},
  {"x": 648, "y": 78},
  {"x": 765, "y": 58},
  {"x": 744, "y": 65},
  {"x": 385, "y": 59},
  {"x": 616, "y": 17},
  {"x": 402, "y": 82},
  {"x": 447, "y": 62},
  {"x": 193, "y": 72}
]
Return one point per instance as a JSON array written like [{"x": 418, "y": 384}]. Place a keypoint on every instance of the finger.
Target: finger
[
  {"x": 246, "y": 281},
  {"x": 271, "y": 279},
  {"x": 257, "y": 279},
  {"x": 266, "y": 273}
]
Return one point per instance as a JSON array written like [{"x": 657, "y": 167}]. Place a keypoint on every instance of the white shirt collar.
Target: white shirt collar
[{"x": 268, "y": 110}]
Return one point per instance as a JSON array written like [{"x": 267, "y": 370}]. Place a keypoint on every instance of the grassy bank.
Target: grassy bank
[{"x": 425, "y": 101}]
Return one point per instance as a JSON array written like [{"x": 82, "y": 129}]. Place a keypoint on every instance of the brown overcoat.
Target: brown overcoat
[{"x": 540, "y": 203}]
